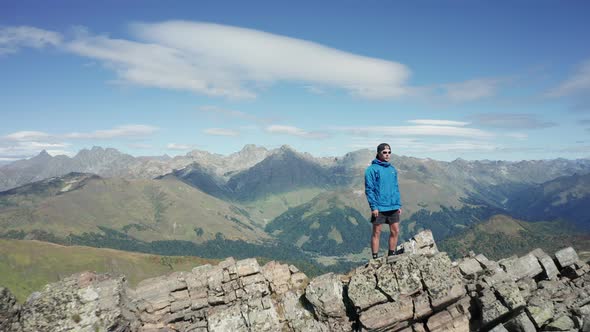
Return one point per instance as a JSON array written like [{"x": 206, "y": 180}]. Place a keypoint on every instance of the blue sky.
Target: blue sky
[{"x": 438, "y": 79}]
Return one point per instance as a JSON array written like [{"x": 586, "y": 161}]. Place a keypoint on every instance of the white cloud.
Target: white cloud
[
  {"x": 420, "y": 130},
  {"x": 24, "y": 144},
  {"x": 12, "y": 39},
  {"x": 54, "y": 152},
  {"x": 221, "y": 132},
  {"x": 511, "y": 120},
  {"x": 229, "y": 61},
  {"x": 579, "y": 82},
  {"x": 294, "y": 131},
  {"x": 471, "y": 90},
  {"x": 439, "y": 122},
  {"x": 315, "y": 90},
  {"x": 181, "y": 147},
  {"x": 21, "y": 149},
  {"x": 459, "y": 146},
  {"x": 421, "y": 147},
  {"x": 27, "y": 136},
  {"x": 121, "y": 131},
  {"x": 520, "y": 136}
]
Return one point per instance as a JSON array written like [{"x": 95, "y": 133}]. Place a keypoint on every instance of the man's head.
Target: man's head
[{"x": 383, "y": 152}]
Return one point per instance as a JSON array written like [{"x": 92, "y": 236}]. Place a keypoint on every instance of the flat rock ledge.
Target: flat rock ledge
[{"x": 419, "y": 290}]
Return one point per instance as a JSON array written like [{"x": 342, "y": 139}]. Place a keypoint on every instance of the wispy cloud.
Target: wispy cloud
[
  {"x": 27, "y": 136},
  {"x": 520, "y": 136},
  {"x": 294, "y": 131},
  {"x": 12, "y": 39},
  {"x": 24, "y": 144},
  {"x": 418, "y": 146},
  {"x": 221, "y": 132},
  {"x": 577, "y": 83},
  {"x": 439, "y": 122},
  {"x": 471, "y": 90},
  {"x": 316, "y": 90},
  {"x": 419, "y": 130},
  {"x": 179, "y": 147},
  {"x": 189, "y": 56},
  {"x": 511, "y": 120},
  {"x": 121, "y": 131},
  {"x": 14, "y": 150}
]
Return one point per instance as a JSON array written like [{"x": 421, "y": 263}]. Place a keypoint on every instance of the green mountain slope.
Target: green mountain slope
[
  {"x": 565, "y": 198},
  {"x": 147, "y": 210},
  {"x": 281, "y": 172},
  {"x": 326, "y": 226},
  {"x": 26, "y": 266},
  {"x": 502, "y": 236}
]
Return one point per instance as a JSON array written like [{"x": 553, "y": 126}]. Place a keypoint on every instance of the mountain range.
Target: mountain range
[{"x": 270, "y": 203}]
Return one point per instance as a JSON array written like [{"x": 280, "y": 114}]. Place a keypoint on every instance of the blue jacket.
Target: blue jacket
[{"x": 381, "y": 187}]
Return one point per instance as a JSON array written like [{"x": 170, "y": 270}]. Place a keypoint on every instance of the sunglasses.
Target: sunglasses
[{"x": 386, "y": 152}]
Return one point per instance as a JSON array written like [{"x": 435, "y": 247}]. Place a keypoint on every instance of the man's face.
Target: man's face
[{"x": 385, "y": 155}]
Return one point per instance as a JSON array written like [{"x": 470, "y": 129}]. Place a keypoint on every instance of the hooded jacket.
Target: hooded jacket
[{"x": 381, "y": 187}]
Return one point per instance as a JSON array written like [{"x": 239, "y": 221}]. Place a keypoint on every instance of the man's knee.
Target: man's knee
[
  {"x": 376, "y": 231},
  {"x": 393, "y": 231}
]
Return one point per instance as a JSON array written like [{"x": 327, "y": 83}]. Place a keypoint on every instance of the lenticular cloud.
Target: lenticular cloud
[{"x": 228, "y": 61}]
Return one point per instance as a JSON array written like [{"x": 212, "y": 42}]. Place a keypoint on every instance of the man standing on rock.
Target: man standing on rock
[{"x": 382, "y": 191}]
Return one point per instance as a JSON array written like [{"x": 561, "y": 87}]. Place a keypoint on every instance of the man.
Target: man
[{"x": 382, "y": 191}]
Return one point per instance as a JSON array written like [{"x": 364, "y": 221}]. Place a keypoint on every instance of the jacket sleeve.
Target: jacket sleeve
[
  {"x": 399, "y": 196},
  {"x": 370, "y": 188}
]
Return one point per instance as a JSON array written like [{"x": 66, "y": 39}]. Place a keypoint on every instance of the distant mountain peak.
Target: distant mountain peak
[
  {"x": 286, "y": 147},
  {"x": 42, "y": 157},
  {"x": 250, "y": 147}
]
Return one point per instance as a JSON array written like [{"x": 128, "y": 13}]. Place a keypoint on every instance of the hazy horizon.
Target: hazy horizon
[{"x": 3, "y": 163}]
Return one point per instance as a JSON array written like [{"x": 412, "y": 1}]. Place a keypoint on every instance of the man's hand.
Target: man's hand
[{"x": 375, "y": 213}]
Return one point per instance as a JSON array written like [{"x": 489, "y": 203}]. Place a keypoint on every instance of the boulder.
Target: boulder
[
  {"x": 82, "y": 302},
  {"x": 566, "y": 257},
  {"x": 442, "y": 281},
  {"x": 524, "y": 267},
  {"x": 509, "y": 294},
  {"x": 8, "y": 308},
  {"x": 325, "y": 293},
  {"x": 520, "y": 323},
  {"x": 470, "y": 267},
  {"x": 247, "y": 267},
  {"x": 388, "y": 315},
  {"x": 362, "y": 290},
  {"x": 547, "y": 263}
]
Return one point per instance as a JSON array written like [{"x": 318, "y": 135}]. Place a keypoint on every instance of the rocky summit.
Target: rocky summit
[{"x": 420, "y": 289}]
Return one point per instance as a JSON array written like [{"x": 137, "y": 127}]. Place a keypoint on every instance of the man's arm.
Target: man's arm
[{"x": 370, "y": 191}]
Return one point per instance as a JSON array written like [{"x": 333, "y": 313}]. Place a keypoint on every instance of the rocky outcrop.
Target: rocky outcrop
[
  {"x": 8, "y": 308},
  {"x": 418, "y": 290}
]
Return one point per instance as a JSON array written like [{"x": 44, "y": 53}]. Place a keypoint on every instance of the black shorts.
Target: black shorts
[{"x": 386, "y": 217}]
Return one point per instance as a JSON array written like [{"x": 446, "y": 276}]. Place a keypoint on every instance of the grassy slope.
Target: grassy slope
[
  {"x": 26, "y": 266},
  {"x": 160, "y": 209},
  {"x": 502, "y": 236},
  {"x": 270, "y": 207}
]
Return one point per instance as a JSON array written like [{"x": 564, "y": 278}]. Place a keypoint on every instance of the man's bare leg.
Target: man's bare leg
[
  {"x": 375, "y": 239},
  {"x": 393, "y": 234}
]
